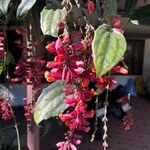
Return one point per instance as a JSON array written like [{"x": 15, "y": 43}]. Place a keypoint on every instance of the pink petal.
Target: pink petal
[
  {"x": 65, "y": 117},
  {"x": 116, "y": 30},
  {"x": 71, "y": 101},
  {"x": 76, "y": 141},
  {"x": 66, "y": 39},
  {"x": 54, "y": 70},
  {"x": 60, "y": 144},
  {"x": 80, "y": 63},
  {"x": 68, "y": 91},
  {"x": 77, "y": 46},
  {"x": 56, "y": 73},
  {"x": 52, "y": 64},
  {"x": 79, "y": 70},
  {"x": 58, "y": 43},
  {"x": 89, "y": 114},
  {"x": 73, "y": 147}
]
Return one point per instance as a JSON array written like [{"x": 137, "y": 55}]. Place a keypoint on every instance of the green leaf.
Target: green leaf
[
  {"x": 4, "y": 6},
  {"x": 51, "y": 102},
  {"x": 24, "y": 7},
  {"x": 130, "y": 5},
  {"x": 108, "y": 49},
  {"x": 98, "y": 91},
  {"x": 110, "y": 8},
  {"x": 141, "y": 15},
  {"x": 50, "y": 19},
  {"x": 1, "y": 69},
  {"x": 9, "y": 58}
]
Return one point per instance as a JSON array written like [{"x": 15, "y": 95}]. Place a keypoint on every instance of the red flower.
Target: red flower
[
  {"x": 106, "y": 82},
  {"x": 116, "y": 22},
  {"x": 128, "y": 122},
  {"x": 68, "y": 91},
  {"x": 61, "y": 25},
  {"x": 20, "y": 31},
  {"x": 51, "y": 47},
  {"x": 91, "y": 6}
]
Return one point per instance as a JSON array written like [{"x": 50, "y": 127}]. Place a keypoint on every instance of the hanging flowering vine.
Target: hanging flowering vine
[
  {"x": 81, "y": 58},
  {"x": 84, "y": 55}
]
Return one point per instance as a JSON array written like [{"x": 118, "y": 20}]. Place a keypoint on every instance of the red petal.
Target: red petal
[
  {"x": 52, "y": 64},
  {"x": 77, "y": 46},
  {"x": 116, "y": 22},
  {"x": 61, "y": 25},
  {"x": 51, "y": 47},
  {"x": 120, "y": 69},
  {"x": 89, "y": 114},
  {"x": 59, "y": 58},
  {"x": 91, "y": 6}
]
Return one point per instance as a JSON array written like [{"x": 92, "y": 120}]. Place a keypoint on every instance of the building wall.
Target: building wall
[{"x": 146, "y": 63}]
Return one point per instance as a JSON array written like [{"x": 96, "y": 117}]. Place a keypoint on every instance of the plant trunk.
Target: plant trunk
[{"x": 32, "y": 129}]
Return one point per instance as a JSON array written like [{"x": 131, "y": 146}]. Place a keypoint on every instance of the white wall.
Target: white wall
[{"x": 146, "y": 63}]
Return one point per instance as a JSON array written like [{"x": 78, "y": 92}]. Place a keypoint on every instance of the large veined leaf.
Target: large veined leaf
[
  {"x": 108, "y": 48},
  {"x": 141, "y": 16},
  {"x": 24, "y": 7},
  {"x": 51, "y": 102},
  {"x": 50, "y": 19},
  {"x": 111, "y": 7},
  {"x": 4, "y": 6},
  {"x": 130, "y": 5}
]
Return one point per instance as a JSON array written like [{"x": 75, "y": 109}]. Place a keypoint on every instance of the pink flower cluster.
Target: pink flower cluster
[
  {"x": 29, "y": 69},
  {"x": 74, "y": 64},
  {"x": 5, "y": 110},
  {"x": 70, "y": 63}
]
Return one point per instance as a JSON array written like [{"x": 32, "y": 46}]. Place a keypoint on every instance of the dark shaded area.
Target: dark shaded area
[{"x": 135, "y": 139}]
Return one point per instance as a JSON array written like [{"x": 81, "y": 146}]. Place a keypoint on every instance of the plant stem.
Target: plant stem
[
  {"x": 7, "y": 84},
  {"x": 96, "y": 120}
]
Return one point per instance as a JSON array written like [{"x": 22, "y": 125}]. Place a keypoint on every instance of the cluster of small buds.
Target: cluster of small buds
[
  {"x": 71, "y": 140},
  {"x": 5, "y": 109},
  {"x": 29, "y": 70},
  {"x": 128, "y": 122},
  {"x": 105, "y": 120},
  {"x": 28, "y": 108},
  {"x": 2, "y": 51}
]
